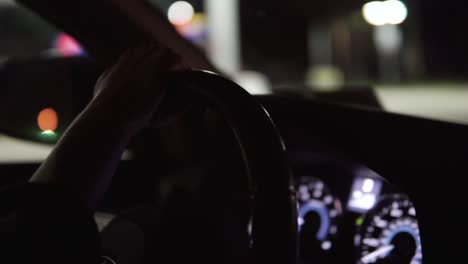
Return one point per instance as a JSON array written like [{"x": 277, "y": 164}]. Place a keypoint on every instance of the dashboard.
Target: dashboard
[{"x": 340, "y": 156}]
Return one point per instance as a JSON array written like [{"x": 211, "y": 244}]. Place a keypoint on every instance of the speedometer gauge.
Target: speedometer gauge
[
  {"x": 390, "y": 233},
  {"x": 318, "y": 213}
]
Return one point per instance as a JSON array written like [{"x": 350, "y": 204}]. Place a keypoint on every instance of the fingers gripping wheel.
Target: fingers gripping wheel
[{"x": 264, "y": 156}]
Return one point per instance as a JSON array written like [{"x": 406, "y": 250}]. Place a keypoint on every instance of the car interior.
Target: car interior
[{"x": 323, "y": 172}]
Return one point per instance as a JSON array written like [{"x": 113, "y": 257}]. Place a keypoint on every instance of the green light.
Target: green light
[
  {"x": 359, "y": 221},
  {"x": 48, "y": 133}
]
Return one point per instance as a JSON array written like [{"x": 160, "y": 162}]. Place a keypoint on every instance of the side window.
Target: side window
[{"x": 45, "y": 76}]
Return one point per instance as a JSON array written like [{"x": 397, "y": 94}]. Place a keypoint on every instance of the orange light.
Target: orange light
[{"x": 47, "y": 120}]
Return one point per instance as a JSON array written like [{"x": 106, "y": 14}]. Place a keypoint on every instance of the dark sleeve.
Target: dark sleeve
[{"x": 41, "y": 224}]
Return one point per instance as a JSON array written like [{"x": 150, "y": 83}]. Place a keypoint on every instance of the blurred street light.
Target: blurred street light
[
  {"x": 66, "y": 46},
  {"x": 390, "y": 12},
  {"x": 47, "y": 120},
  {"x": 385, "y": 16},
  {"x": 180, "y": 13}
]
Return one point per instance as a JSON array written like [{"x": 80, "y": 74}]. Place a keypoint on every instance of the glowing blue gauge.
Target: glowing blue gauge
[
  {"x": 318, "y": 211},
  {"x": 390, "y": 233},
  {"x": 321, "y": 210}
]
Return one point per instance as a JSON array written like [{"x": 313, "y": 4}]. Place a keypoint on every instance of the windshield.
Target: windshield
[
  {"x": 411, "y": 52},
  {"x": 414, "y": 64}
]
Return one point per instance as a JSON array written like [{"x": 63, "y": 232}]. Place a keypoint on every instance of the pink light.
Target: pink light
[{"x": 67, "y": 46}]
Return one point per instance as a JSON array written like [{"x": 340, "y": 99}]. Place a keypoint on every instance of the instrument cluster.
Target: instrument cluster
[{"x": 362, "y": 217}]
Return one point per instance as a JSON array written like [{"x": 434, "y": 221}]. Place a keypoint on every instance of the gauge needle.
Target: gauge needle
[{"x": 372, "y": 257}]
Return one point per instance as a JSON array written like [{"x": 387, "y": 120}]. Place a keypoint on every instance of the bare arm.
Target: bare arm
[{"x": 87, "y": 155}]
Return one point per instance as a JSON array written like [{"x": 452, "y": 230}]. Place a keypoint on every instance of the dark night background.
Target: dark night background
[
  {"x": 274, "y": 33},
  {"x": 276, "y": 28},
  {"x": 268, "y": 25}
]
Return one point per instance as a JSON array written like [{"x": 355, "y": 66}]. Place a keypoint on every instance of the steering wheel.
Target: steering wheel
[
  {"x": 264, "y": 156},
  {"x": 271, "y": 187}
]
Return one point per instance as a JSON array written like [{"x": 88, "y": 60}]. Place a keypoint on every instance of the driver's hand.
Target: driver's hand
[{"x": 129, "y": 92}]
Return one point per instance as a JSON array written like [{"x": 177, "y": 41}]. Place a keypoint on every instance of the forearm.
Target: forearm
[{"x": 87, "y": 156}]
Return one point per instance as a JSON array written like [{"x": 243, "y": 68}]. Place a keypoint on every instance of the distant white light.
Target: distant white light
[
  {"x": 397, "y": 12},
  {"x": 390, "y": 12},
  {"x": 374, "y": 13},
  {"x": 180, "y": 13}
]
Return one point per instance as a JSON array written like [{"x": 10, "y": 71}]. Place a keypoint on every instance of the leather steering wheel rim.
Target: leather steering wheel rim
[
  {"x": 271, "y": 186},
  {"x": 265, "y": 159}
]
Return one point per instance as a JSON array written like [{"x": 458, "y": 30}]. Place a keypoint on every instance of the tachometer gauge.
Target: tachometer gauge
[
  {"x": 318, "y": 212},
  {"x": 390, "y": 233}
]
